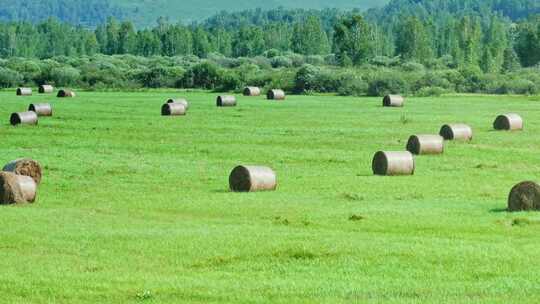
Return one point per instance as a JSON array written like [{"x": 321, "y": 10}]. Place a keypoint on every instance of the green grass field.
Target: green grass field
[{"x": 135, "y": 207}]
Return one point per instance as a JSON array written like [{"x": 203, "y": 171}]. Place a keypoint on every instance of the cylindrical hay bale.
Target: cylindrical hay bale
[
  {"x": 65, "y": 93},
  {"x": 41, "y": 109},
  {"x": 45, "y": 89},
  {"x": 25, "y": 118},
  {"x": 180, "y": 101},
  {"x": 26, "y": 167},
  {"x": 16, "y": 189},
  {"x": 173, "y": 109},
  {"x": 252, "y": 91},
  {"x": 524, "y": 196},
  {"x": 252, "y": 178},
  {"x": 425, "y": 144},
  {"x": 275, "y": 95},
  {"x": 509, "y": 122},
  {"x": 226, "y": 101},
  {"x": 393, "y": 163},
  {"x": 24, "y": 91},
  {"x": 456, "y": 132},
  {"x": 393, "y": 101}
]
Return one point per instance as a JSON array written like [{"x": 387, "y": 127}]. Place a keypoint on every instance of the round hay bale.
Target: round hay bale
[
  {"x": 65, "y": 93},
  {"x": 26, "y": 167},
  {"x": 275, "y": 95},
  {"x": 252, "y": 91},
  {"x": 226, "y": 101},
  {"x": 456, "y": 132},
  {"x": 45, "y": 89},
  {"x": 252, "y": 178},
  {"x": 16, "y": 189},
  {"x": 180, "y": 101},
  {"x": 26, "y": 118},
  {"x": 425, "y": 144},
  {"x": 508, "y": 122},
  {"x": 524, "y": 196},
  {"x": 393, "y": 101},
  {"x": 173, "y": 109},
  {"x": 24, "y": 91},
  {"x": 393, "y": 163},
  {"x": 41, "y": 109}
]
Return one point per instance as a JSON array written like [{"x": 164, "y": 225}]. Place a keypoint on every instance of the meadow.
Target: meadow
[{"x": 135, "y": 207}]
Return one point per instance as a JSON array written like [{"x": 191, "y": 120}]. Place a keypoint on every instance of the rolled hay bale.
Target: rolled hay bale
[
  {"x": 275, "y": 95},
  {"x": 41, "y": 109},
  {"x": 226, "y": 101},
  {"x": 252, "y": 178},
  {"x": 45, "y": 89},
  {"x": 25, "y": 118},
  {"x": 26, "y": 167},
  {"x": 393, "y": 163},
  {"x": 173, "y": 109},
  {"x": 252, "y": 91},
  {"x": 425, "y": 144},
  {"x": 524, "y": 196},
  {"x": 180, "y": 101},
  {"x": 24, "y": 91},
  {"x": 456, "y": 132},
  {"x": 508, "y": 122},
  {"x": 65, "y": 93},
  {"x": 393, "y": 101},
  {"x": 16, "y": 189}
]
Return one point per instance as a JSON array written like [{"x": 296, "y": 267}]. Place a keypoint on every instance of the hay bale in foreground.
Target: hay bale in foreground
[
  {"x": 456, "y": 132},
  {"x": 180, "y": 101},
  {"x": 65, "y": 94},
  {"x": 524, "y": 196},
  {"x": 26, "y": 167},
  {"x": 226, "y": 101},
  {"x": 393, "y": 163},
  {"x": 24, "y": 91},
  {"x": 25, "y": 118},
  {"x": 425, "y": 144},
  {"x": 275, "y": 95},
  {"x": 252, "y": 178},
  {"x": 45, "y": 89},
  {"x": 173, "y": 109},
  {"x": 508, "y": 122},
  {"x": 41, "y": 109},
  {"x": 16, "y": 189},
  {"x": 252, "y": 91},
  {"x": 393, "y": 101}
]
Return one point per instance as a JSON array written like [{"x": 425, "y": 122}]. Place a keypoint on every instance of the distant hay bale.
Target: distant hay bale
[
  {"x": 393, "y": 163},
  {"x": 275, "y": 95},
  {"x": 25, "y": 118},
  {"x": 456, "y": 132},
  {"x": 252, "y": 91},
  {"x": 24, "y": 91},
  {"x": 226, "y": 101},
  {"x": 509, "y": 122},
  {"x": 425, "y": 144},
  {"x": 41, "y": 109},
  {"x": 65, "y": 93},
  {"x": 252, "y": 178},
  {"x": 16, "y": 189},
  {"x": 180, "y": 101},
  {"x": 393, "y": 101},
  {"x": 524, "y": 196},
  {"x": 173, "y": 109},
  {"x": 26, "y": 167},
  {"x": 45, "y": 89}
]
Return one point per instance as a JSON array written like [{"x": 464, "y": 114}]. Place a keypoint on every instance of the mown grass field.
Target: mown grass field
[{"x": 135, "y": 207}]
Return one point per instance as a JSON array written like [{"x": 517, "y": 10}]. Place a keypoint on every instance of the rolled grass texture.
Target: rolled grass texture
[
  {"x": 24, "y": 91},
  {"x": 173, "y": 109},
  {"x": 275, "y": 95},
  {"x": 41, "y": 109},
  {"x": 181, "y": 101},
  {"x": 393, "y": 101},
  {"x": 226, "y": 101},
  {"x": 252, "y": 179},
  {"x": 65, "y": 93},
  {"x": 456, "y": 132},
  {"x": 45, "y": 89},
  {"x": 393, "y": 163},
  {"x": 26, "y": 167},
  {"x": 16, "y": 189},
  {"x": 524, "y": 196},
  {"x": 252, "y": 91},
  {"x": 425, "y": 144},
  {"x": 25, "y": 118},
  {"x": 508, "y": 122}
]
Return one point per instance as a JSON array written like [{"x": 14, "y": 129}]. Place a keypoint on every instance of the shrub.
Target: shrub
[
  {"x": 9, "y": 78},
  {"x": 387, "y": 84},
  {"x": 205, "y": 75},
  {"x": 281, "y": 62},
  {"x": 65, "y": 76}
]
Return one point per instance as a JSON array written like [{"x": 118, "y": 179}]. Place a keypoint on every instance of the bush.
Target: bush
[
  {"x": 65, "y": 76},
  {"x": 10, "y": 78},
  {"x": 205, "y": 75},
  {"x": 281, "y": 62},
  {"x": 353, "y": 85},
  {"x": 431, "y": 91},
  {"x": 387, "y": 84},
  {"x": 519, "y": 86}
]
